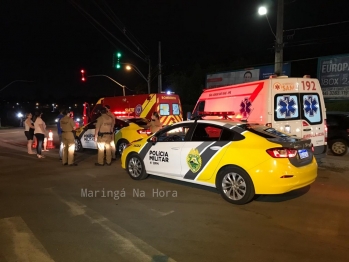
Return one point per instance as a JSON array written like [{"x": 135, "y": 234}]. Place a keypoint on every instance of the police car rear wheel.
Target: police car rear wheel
[
  {"x": 78, "y": 145},
  {"x": 135, "y": 167},
  {"x": 338, "y": 147},
  {"x": 235, "y": 185},
  {"x": 122, "y": 143}
]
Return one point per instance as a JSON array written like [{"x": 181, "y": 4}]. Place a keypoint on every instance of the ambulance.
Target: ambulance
[
  {"x": 291, "y": 105},
  {"x": 168, "y": 105}
]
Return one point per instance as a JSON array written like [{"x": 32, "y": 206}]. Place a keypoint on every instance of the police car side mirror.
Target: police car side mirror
[{"x": 153, "y": 139}]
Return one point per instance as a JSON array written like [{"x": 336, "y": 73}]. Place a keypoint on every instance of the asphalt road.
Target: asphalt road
[{"x": 50, "y": 212}]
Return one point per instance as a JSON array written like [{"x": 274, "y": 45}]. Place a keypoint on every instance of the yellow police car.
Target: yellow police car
[
  {"x": 126, "y": 130},
  {"x": 239, "y": 159}
]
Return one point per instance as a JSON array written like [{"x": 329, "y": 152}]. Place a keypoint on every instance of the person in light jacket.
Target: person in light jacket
[{"x": 39, "y": 132}]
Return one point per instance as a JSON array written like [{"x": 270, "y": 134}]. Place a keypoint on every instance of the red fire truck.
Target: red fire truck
[{"x": 168, "y": 105}]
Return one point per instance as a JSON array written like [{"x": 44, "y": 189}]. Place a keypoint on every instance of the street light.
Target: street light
[
  {"x": 278, "y": 36},
  {"x": 129, "y": 68}
]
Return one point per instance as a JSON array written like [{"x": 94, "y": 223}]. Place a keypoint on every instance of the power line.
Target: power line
[
  {"x": 122, "y": 28},
  {"x": 96, "y": 22},
  {"x": 129, "y": 32},
  {"x": 315, "y": 26}
]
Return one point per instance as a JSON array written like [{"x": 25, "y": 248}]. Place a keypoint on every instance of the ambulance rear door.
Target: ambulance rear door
[
  {"x": 170, "y": 109},
  {"x": 299, "y": 110}
]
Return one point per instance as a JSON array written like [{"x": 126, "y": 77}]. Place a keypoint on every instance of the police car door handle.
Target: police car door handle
[
  {"x": 175, "y": 148},
  {"x": 215, "y": 148}
]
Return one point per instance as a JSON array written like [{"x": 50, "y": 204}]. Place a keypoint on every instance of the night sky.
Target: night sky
[{"x": 50, "y": 41}]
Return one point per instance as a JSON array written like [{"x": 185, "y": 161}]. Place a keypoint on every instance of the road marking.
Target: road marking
[
  {"x": 162, "y": 213},
  {"x": 22, "y": 245},
  {"x": 132, "y": 247},
  {"x": 88, "y": 174},
  {"x": 154, "y": 211},
  {"x": 4, "y": 133}
]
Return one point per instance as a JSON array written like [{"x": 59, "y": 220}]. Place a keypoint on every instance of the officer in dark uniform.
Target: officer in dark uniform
[
  {"x": 68, "y": 140},
  {"x": 103, "y": 136},
  {"x": 112, "y": 143}
]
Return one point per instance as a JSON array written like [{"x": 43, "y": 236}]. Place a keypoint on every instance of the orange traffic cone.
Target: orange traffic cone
[
  {"x": 34, "y": 142},
  {"x": 50, "y": 144}
]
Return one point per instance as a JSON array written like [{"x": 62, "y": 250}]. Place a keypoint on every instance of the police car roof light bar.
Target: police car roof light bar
[
  {"x": 224, "y": 115},
  {"x": 203, "y": 113}
]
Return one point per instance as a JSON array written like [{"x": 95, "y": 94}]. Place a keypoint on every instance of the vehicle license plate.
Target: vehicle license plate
[{"x": 303, "y": 153}]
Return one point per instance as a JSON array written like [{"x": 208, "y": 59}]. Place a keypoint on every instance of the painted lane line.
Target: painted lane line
[
  {"x": 25, "y": 247},
  {"x": 127, "y": 245},
  {"x": 4, "y": 133},
  {"x": 155, "y": 212}
]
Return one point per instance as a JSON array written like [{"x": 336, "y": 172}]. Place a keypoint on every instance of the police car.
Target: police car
[
  {"x": 237, "y": 158},
  {"x": 126, "y": 130}
]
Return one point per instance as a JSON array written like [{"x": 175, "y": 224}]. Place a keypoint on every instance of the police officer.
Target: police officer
[
  {"x": 103, "y": 136},
  {"x": 68, "y": 141},
  {"x": 112, "y": 143}
]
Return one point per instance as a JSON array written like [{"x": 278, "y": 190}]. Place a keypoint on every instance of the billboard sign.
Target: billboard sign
[
  {"x": 231, "y": 78},
  {"x": 266, "y": 71},
  {"x": 333, "y": 74},
  {"x": 243, "y": 76}
]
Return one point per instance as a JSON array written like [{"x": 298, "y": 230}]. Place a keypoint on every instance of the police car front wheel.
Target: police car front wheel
[
  {"x": 235, "y": 185},
  {"x": 121, "y": 145},
  {"x": 135, "y": 167}
]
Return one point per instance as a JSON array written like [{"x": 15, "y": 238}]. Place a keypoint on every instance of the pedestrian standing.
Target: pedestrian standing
[
  {"x": 103, "y": 137},
  {"x": 67, "y": 125},
  {"x": 59, "y": 132},
  {"x": 39, "y": 132},
  {"x": 112, "y": 143},
  {"x": 29, "y": 132}
]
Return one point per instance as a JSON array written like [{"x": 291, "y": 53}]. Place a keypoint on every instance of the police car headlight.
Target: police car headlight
[
  {"x": 77, "y": 120},
  {"x": 19, "y": 115},
  {"x": 56, "y": 120}
]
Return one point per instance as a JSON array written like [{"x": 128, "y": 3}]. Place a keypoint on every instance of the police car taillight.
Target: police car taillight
[
  {"x": 144, "y": 131},
  {"x": 282, "y": 152}
]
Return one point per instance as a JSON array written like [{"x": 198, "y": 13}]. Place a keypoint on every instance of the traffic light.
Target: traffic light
[
  {"x": 118, "y": 56},
  {"x": 83, "y": 79}
]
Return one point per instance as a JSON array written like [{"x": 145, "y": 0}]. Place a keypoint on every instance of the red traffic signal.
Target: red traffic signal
[{"x": 83, "y": 79}]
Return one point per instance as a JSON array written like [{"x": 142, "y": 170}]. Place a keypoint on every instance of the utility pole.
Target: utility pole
[
  {"x": 149, "y": 75},
  {"x": 159, "y": 76},
  {"x": 279, "y": 45}
]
